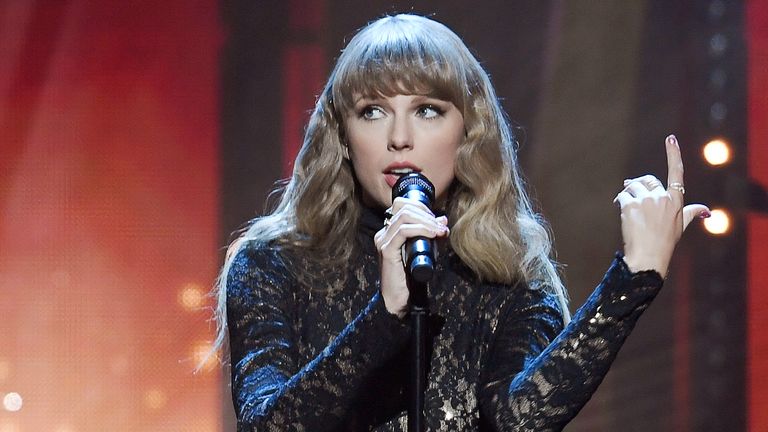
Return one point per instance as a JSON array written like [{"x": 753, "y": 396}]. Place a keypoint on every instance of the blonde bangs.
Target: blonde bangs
[{"x": 403, "y": 57}]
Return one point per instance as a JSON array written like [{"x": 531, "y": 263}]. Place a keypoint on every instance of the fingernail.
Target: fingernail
[
  {"x": 627, "y": 181},
  {"x": 673, "y": 139},
  {"x": 705, "y": 214}
]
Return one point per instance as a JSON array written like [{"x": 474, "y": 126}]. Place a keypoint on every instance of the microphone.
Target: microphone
[{"x": 419, "y": 256}]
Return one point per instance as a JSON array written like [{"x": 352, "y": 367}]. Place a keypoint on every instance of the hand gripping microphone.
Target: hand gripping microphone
[{"x": 419, "y": 257}]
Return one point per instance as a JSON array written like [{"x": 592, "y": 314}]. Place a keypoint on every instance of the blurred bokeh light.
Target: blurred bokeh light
[
  {"x": 717, "y": 152},
  {"x": 719, "y": 223}
]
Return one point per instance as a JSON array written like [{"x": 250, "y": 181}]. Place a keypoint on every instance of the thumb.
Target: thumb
[{"x": 694, "y": 210}]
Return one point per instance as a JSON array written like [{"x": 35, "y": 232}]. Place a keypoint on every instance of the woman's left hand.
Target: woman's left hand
[{"x": 653, "y": 218}]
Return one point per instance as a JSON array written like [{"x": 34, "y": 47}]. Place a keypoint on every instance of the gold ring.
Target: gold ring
[{"x": 678, "y": 187}]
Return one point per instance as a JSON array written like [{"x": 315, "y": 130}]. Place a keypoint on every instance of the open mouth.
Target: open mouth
[
  {"x": 401, "y": 171},
  {"x": 398, "y": 169}
]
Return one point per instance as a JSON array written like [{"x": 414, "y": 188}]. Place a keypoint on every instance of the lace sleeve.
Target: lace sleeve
[
  {"x": 534, "y": 385},
  {"x": 271, "y": 391}
]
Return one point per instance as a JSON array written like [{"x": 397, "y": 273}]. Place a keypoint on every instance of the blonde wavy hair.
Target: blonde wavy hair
[{"x": 495, "y": 230}]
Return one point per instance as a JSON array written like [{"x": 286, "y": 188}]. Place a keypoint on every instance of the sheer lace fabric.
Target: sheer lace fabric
[{"x": 326, "y": 354}]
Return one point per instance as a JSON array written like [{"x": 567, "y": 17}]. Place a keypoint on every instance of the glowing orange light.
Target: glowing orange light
[
  {"x": 717, "y": 152},
  {"x": 201, "y": 355},
  {"x": 12, "y": 401},
  {"x": 719, "y": 223},
  {"x": 155, "y": 399},
  {"x": 191, "y": 297}
]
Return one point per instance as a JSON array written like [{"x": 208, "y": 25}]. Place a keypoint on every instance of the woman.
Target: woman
[{"x": 314, "y": 295}]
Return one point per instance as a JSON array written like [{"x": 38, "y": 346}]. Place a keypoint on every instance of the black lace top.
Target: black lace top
[{"x": 327, "y": 355}]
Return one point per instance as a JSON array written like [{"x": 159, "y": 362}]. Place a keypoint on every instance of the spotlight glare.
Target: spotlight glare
[
  {"x": 191, "y": 297},
  {"x": 717, "y": 152},
  {"x": 12, "y": 402},
  {"x": 202, "y": 355},
  {"x": 155, "y": 399},
  {"x": 719, "y": 223}
]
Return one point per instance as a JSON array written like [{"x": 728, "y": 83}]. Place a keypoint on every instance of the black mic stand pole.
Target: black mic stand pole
[
  {"x": 419, "y": 317},
  {"x": 419, "y": 270}
]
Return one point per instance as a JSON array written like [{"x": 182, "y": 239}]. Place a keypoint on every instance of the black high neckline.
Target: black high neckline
[{"x": 371, "y": 221}]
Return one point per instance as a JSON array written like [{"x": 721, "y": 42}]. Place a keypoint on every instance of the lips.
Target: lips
[{"x": 397, "y": 169}]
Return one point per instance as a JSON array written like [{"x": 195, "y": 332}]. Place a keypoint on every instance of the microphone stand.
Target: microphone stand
[
  {"x": 419, "y": 317},
  {"x": 420, "y": 265}
]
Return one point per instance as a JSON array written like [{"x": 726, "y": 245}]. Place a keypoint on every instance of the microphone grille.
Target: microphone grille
[{"x": 413, "y": 181}]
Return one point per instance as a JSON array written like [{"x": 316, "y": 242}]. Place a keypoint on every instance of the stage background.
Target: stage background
[{"x": 135, "y": 136}]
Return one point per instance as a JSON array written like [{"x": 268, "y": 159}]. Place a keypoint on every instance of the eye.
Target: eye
[
  {"x": 429, "y": 111},
  {"x": 371, "y": 112}
]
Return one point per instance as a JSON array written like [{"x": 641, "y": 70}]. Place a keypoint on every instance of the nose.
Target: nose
[{"x": 400, "y": 134}]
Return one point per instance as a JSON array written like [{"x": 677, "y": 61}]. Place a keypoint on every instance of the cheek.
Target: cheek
[
  {"x": 444, "y": 160},
  {"x": 362, "y": 147},
  {"x": 367, "y": 174},
  {"x": 444, "y": 173},
  {"x": 363, "y": 156}
]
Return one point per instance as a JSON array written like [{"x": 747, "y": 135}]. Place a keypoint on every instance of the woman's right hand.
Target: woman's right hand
[{"x": 410, "y": 218}]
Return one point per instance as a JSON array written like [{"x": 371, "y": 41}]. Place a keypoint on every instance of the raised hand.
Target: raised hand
[{"x": 653, "y": 217}]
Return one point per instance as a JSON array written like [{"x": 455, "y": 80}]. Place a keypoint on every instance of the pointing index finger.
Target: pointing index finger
[{"x": 674, "y": 161}]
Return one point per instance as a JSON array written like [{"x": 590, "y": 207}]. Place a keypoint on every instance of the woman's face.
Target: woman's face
[{"x": 391, "y": 136}]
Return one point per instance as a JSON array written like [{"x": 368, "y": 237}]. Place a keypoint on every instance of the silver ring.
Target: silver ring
[
  {"x": 678, "y": 187},
  {"x": 387, "y": 222}
]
